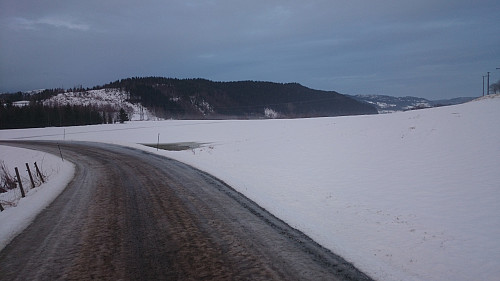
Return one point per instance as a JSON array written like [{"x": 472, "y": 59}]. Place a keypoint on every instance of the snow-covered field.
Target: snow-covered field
[{"x": 405, "y": 196}]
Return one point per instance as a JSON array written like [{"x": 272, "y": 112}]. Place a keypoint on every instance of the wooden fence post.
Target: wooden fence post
[
  {"x": 60, "y": 152},
  {"x": 20, "y": 183},
  {"x": 39, "y": 173},
  {"x": 31, "y": 177},
  {"x": 158, "y": 143}
]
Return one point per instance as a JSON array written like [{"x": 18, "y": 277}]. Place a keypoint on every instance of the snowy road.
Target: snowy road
[{"x": 132, "y": 215}]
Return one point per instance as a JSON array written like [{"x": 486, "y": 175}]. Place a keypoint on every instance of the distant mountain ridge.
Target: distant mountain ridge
[
  {"x": 389, "y": 104},
  {"x": 153, "y": 98},
  {"x": 150, "y": 98},
  {"x": 205, "y": 99}
]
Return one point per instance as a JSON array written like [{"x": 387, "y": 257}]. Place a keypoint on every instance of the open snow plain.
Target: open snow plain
[{"x": 405, "y": 196}]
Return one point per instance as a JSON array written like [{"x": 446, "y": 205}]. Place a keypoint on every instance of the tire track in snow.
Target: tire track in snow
[{"x": 132, "y": 215}]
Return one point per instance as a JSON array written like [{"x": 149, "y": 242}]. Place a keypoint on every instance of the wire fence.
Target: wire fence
[{"x": 14, "y": 186}]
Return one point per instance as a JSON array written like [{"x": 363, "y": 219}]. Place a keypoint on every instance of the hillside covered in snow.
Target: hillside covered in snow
[
  {"x": 150, "y": 98},
  {"x": 390, "y": 104},
  {"x": 153, "y": 98},
  {"x": 205, "y": 99},
  {"x": 107, "y": 101},
  {"x": 406, "y": 196}
]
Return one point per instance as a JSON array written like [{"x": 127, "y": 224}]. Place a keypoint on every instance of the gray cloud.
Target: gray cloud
[
  {"x": 427, "y": 48},
  {"x": 41, "y": 23}
]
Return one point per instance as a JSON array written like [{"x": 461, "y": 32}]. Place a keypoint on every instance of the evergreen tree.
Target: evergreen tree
[
  {"x": 122, "y": 116},
  {"x": 110, "y": 118}
]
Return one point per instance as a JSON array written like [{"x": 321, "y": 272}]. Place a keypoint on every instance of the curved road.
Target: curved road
[{"x": 132, "y": 215}]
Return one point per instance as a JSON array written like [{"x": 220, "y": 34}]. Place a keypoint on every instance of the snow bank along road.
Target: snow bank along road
[{"x": 131, "y": 215}]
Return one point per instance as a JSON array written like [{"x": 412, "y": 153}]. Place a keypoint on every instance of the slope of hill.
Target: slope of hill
[
  {"x": 151, "y": 98},
  {"x": 107, "y": 101},
  {"x": 389, "y": 104},
  {"x": 204, "y": 99}
]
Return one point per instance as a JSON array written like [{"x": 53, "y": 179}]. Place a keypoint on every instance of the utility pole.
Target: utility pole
[
  {"x": 483, "y": 84},
  {"x": 497, "y": 82},
  {"x": 488, "y": 89}
]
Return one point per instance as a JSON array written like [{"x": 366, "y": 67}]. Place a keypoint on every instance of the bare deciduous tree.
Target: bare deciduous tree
[{"x": 495, "y": 87}]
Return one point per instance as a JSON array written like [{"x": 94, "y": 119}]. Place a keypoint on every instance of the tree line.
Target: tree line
[
  {"x": 495, "y": 88},
  {"x": 37, "y": 115},
  {"x": 182, "y": 99},
  {"x": 189, "y": 98}
]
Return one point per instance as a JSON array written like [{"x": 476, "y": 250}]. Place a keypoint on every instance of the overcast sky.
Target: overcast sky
[{"x": 426, "y": 48}]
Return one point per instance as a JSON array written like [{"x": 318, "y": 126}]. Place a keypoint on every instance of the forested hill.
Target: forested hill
[{"x": 200, "y": 98}]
